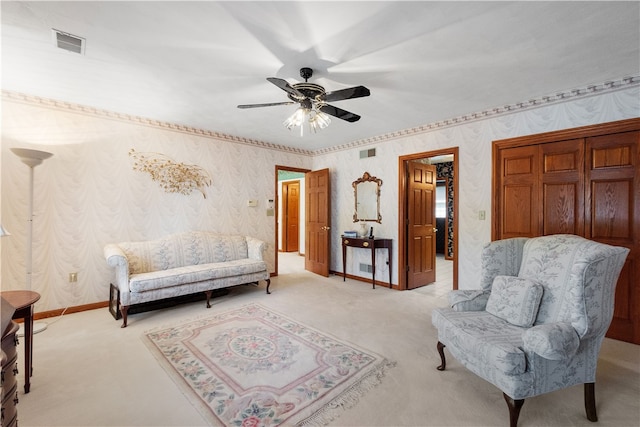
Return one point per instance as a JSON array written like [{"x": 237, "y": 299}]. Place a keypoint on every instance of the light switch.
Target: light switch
[{"x": 482, "y": 215}]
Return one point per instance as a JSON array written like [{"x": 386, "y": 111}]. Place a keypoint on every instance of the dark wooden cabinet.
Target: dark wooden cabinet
[
  {"x": 583, "y": 181},
  {"x": 9, "y": 377}
]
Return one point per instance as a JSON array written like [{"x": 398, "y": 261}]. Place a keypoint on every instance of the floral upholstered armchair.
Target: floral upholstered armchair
[{"x": 538, "y": 321}]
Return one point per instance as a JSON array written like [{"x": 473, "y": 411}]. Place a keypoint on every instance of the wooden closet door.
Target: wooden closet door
[
  {"x": 562, "y": 191},
  {"x": 586, "y": 182},
  {"x": 613, "y": 217},
  {"x": 518, "y": 197}
]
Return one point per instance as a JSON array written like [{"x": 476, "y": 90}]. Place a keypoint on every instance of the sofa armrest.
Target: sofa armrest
[
  {"x": 553, "y": 341},
  {"x": 116, "y": 257},
  {"x": 468, "y": 300},
  {"x": 255, "y": 248}
]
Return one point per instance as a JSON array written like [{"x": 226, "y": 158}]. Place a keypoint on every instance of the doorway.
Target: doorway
[
  {"x": 407, "y": 258},
  {"x": 290, "y": 232},
  {"x": 284, "y": 238}
]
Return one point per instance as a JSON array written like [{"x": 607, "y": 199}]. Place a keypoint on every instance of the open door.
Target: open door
[
  {"x": 421, "y": 227},
  {"x": 317, "y": 222}
]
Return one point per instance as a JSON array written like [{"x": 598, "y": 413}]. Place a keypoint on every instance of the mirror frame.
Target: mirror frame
[{"x": 366, "y": 177}]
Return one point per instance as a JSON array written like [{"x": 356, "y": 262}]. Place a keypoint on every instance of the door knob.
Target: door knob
[
  {"x": 325, "y": 228},
  {"x": 435, "y": 230}
]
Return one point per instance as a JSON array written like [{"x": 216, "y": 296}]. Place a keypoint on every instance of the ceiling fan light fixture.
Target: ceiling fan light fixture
[
  {"x": 319, "y": 120},
  {"x": 296, "y": 119}
]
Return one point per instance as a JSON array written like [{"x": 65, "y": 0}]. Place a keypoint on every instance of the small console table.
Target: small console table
[{"x": 366, "y": 243}]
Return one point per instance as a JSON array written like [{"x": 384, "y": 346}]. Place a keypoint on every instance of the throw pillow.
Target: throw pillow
[{"x": 515, "y": 300}]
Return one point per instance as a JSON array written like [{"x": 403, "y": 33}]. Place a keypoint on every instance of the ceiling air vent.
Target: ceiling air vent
[{"x": 68, "y": 41}]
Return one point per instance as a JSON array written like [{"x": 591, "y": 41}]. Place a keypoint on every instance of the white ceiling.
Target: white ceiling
[{"x": 192, "y": 63}]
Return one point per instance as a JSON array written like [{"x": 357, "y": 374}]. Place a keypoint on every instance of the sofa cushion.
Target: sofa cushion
[
  {"x": 179, "y": 250},
  {"x": 515, "y": 300},
  {"x": 193, "y": 273},
  {"x": 491, "y": 342}
]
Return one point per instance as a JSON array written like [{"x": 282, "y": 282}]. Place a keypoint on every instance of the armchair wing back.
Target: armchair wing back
[{"x": 538, "y": 321}]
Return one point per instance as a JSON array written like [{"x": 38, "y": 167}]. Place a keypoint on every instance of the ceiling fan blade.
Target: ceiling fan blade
[
  {"x": 266, "y": 105},
  {"x": 282, "y": 84},
  {"x": 339, "y": 113},
  {"x": 351, "y": 92}
]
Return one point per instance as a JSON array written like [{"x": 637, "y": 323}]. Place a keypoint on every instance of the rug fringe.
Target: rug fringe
[{"x": 348, "y": 398}]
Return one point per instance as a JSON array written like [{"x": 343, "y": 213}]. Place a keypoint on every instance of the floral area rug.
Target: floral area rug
[{"x": 254, "y": 367}]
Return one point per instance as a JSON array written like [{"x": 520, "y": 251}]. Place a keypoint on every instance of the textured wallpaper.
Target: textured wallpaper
[
  {"x": 474, "y": 139},
  {"x": 88, "y": 194}
]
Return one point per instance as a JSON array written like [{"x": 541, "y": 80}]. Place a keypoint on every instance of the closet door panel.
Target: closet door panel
[
  {"x": 518, "y": 195},
  {"x": 562, "y": 176},
  {"x": 613, "y": 217}
]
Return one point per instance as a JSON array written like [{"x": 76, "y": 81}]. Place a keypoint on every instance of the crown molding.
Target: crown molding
[{"x": 559, "y": 97}]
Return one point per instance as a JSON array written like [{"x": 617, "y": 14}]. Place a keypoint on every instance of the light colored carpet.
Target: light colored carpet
[
  {"x": 90, "y": 372},
  {"x": 254, "y": 367}
]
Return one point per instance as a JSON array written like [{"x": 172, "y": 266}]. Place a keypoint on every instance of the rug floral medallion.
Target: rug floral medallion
[{"x": 254, "y": 367}]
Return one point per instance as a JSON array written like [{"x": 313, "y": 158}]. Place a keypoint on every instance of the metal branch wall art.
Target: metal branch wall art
[{"x": 172, "y": 176}]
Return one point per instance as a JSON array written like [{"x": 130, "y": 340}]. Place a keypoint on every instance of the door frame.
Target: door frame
[
  {"x": 276, "y": 216},
  {"x": 402, "y": 214}
]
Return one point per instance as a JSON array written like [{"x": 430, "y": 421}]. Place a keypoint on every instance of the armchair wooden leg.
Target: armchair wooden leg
[
  {"x": 208, "y": 295},
  {"x": 268, "y": 284},
  {"x": 514, "y": 409},
  {"x": 443, "y": 363},
  {"x": 590, "y": 401}
]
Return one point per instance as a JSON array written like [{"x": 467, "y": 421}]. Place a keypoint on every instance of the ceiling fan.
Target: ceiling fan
[{"x": 313, "y": 99}]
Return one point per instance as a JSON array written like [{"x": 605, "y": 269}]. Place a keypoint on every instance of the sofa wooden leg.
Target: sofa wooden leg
[
  {"x": 514, "y": 409},
  {"x": 268, "y": 284},
  {"x": 208, "y": 294},
  {"x": 443, "y": 363},
  {"x": 590, "y": 401},
  {"x": 124, "y": 309}
]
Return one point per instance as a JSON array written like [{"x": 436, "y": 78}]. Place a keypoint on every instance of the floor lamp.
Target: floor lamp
[{"x": 31, "y": 158}]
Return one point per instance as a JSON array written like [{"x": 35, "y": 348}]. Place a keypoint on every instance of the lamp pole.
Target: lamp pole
[{"x": 31, "y": 158}]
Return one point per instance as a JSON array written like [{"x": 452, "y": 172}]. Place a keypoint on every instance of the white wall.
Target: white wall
[
  {"x": 474, "y": 139},
  {"x": 88, "y": 195}
]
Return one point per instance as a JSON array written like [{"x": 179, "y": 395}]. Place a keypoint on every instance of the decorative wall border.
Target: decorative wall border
[{"x": 564, "y": 96}]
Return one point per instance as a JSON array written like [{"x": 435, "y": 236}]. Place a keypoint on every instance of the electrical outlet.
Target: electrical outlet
[
  {"x": 73, "y": 277},
  {"x": 482, "y": 215}
]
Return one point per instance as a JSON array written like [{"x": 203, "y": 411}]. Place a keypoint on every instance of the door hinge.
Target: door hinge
[{"x": 406, "y": 268}]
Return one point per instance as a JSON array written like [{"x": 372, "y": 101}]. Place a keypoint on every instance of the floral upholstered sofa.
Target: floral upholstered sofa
[{"x": 182, "y": 264}]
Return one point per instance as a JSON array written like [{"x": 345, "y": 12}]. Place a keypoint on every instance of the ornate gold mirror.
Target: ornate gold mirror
[{"x": 367, "y": 196}]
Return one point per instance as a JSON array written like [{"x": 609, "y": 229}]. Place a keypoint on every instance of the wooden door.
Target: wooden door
[
  {"x": 291, "y": 220},
  {"x": 421, "y": 233},
  {"x": 562, "y": 192},
  {"x": 317, "y": 221},
  {"x": 613, "y": 217},
  {"x": 589, "y": 185},
  {"x": 518, "y": 192}
]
